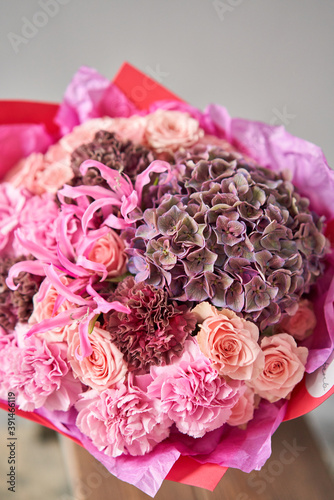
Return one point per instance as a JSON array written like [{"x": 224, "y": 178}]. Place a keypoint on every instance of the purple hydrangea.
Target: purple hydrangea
[{"x": 235, "y": 233}]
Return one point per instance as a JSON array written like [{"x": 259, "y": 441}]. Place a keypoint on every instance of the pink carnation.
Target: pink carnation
[
  {"x": 38, "y": 224},
  {"x": 192, "y": 393},
  {"x": 230, "y": 342},
  {"x": 284, "y": 367},
  {"x": 39, "y": 374},
  {"x": 12, "y": 201},
  {"x": 7, "y": 347},
  {"x": 171, "y": 130},
  {"x": 104, "y": 367},
  {"x": 122, "y": 421},
  {"x": 43, "y": 173}
]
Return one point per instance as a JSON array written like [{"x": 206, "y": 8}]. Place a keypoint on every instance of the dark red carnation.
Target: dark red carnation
[{"x": 154, "y": 331}]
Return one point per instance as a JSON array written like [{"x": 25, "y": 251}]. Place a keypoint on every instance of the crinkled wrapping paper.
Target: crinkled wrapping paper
[{"x": 90, "y": 95}]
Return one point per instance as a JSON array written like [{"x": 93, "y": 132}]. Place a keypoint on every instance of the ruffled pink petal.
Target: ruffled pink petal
[
  {"x": 84, "y": 246},
  {"x": 72, "y": 269},
  {"x": 93, "y": 266},
  {"x": 129, "y": 203},
  {"x": 94, "y": 207},
  {"x": 157, "y": 166},
  {"x": 64, "y": 240},
  {"x": 36, "y": 250},
  {"x": 63, "y": 289},
  {"x": 115, "y": 222},
  {"x": 43, "y": 289},
  {"x": 26, "y": 266},
  {"x": 85, "y": 346},
  {"x": 103, "y": 306},
  {"x": 62, "y": 319},
  {"x": 95, "y": 192},
  {"x": 119, "y": 183}
]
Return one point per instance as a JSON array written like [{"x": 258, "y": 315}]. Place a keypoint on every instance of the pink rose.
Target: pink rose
[
  {"x": 284, "y": 367},
  {"x": 110, "y": 252},
  {"x": 104, "y": 367},
  {"x": 132, "y": 128},
  {"x": 230, "y": 342},
  {"x": 44, "y": 309},
  {"x": 171, "y": 130},
  {"x": 85, "y": 133},
  {"x": 122, "y": 421},
  {"x": 42, "y": 173},
  {"x": 301, "y": 324},
  {"x": 192, "y": 393},
  {"x": 37, "y": 224},
  {"x": 243, "y": 410}
]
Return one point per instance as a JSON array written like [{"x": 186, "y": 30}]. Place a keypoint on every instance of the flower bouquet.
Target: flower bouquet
[{"x": 166, "y": 278}]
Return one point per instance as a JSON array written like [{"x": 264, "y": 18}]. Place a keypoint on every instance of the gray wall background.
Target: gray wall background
[{"x": 269, "y": 60}]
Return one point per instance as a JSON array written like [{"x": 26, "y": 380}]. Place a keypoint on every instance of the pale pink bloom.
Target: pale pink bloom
[
  {"x": 110, "y": 252},
  {"x": 5, "y": 338},
  {"x": 192, "y": 393},
  {"x": 230, "y": 342},
  {"x": 7, "y": 347},
  {"x": 37, "y": 224},
  {"x": 243, "y": 410},
  {"x": 301, "y": 324},
  {"x": 132, "y": 128},
  {"x": 84, "y": 133},
  {"x": 212, "y": 140},
  {"x": 284, "y": 367},
  {"x": 39, "y": 374},
  {"x": 12, "y": 201},
  {"x": 45, "y": 309},
  {"x": 43, "y": 173},
  {"x": 122, "y": 421},
  {"x": 171, "y": 130},
  {"x": 104, "y": 367}
]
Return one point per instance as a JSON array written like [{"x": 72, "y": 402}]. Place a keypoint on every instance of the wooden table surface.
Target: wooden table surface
[{"x": 295, "y": 471}]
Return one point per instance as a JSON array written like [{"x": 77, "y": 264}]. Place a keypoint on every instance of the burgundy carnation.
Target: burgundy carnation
[
  {"x": 106, "y": 148},
  {"x": 154, "y": 331},
  {"x": 16, "y": 305}
]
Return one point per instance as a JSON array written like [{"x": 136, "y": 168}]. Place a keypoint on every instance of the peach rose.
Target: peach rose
[
  {"x": 243, "y": 410},
  {"x": 284, "y": 367},
  {"x": 110, "y": 251},
  {"x": 43, "y": 173},
  {"x": 85, "y": 133},
  {"x": 132, "y": 128},
  {"x": 104, "y": 367},
  {"x": 170, "y": 130},
  {"x": 301, "y": 324},
  {"x": 230, "y": 342},
  {"x": 45, "y": 309}
]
